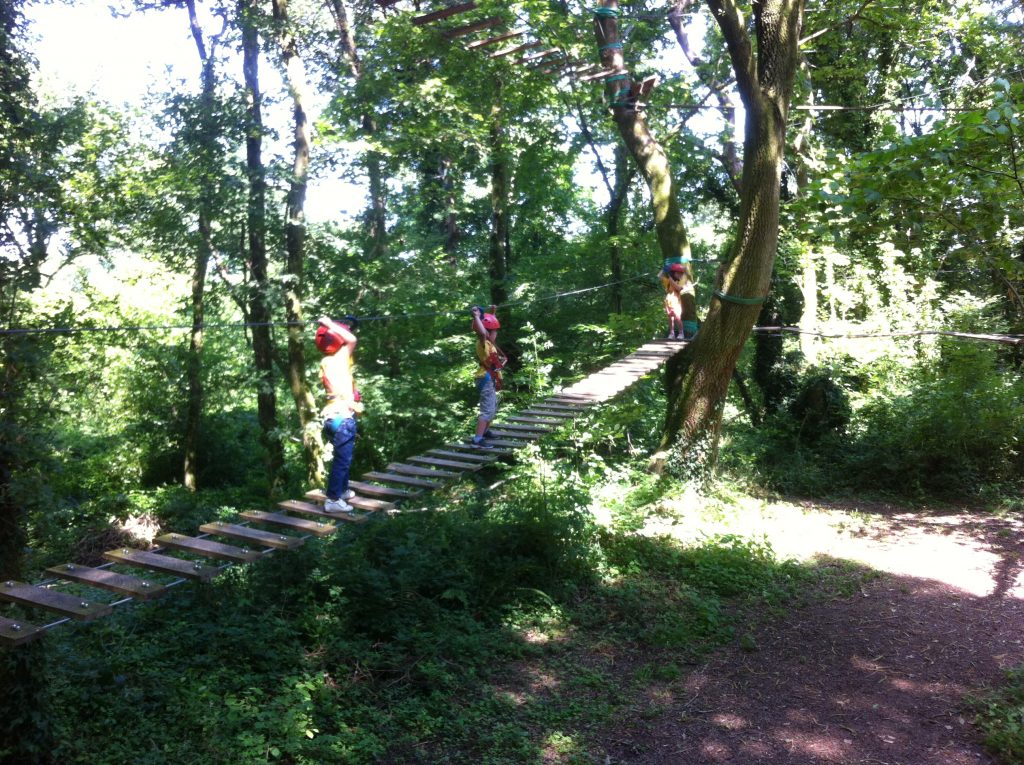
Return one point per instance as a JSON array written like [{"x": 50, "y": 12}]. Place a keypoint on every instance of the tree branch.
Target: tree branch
[{"x": 730, "y": 20}]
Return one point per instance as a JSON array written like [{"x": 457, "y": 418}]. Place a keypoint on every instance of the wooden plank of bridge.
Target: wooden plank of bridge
[
  {"x": 514, "y": 434},
  {"x": 308, "y": 508},
  {"x": 601, "y": 75},
  {"x": 515, "y": 49},
  {"x": 444, "y": 475},
  {"x": 381, "y": 491},
  {"x": 124, "y": 584},
  {"x": 444, "y": 13},
  {"x": 494, "y": 40},
  {"x": 496, "y": 449},
  {"x": 51, "y": 600},
  {"x": 452, "y": 463},
  {"x": 554, "y": 424},
  {"x": 476, "y": 26},
  {"x": 504, "y": 445},
  {"x": 208, "y": 548},
  {"x": 362, "y": 503},
  {"x": 249, "y": 534},
  {"x": 402, "y": 480},
  {"x": 552, "y": 412},
  {"x": 14, "y": 632},
  {"x": 316, "y": 528},
  {"x": 166, "y": 564},
  {"x": 482, "y": 459},
  {"x": 530, "y": 428},
  {"x": 538, "y": 57}
]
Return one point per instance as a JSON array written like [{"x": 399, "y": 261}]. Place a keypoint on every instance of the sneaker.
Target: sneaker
[
  {"x": 479, "y": 441},
  {"x": 347, "y": 495},
  {"x": 488, "y": 433},
  {"x": 671, "y": 336},
  {"x": 337, "y": 506}
]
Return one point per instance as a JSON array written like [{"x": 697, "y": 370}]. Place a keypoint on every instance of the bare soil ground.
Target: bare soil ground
[{"x": 876, "y": 678}]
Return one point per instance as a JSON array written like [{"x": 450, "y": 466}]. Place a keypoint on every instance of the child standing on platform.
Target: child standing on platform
[
  {"x": 671, "y": 280},
  {"x": 488, "y": 376}
]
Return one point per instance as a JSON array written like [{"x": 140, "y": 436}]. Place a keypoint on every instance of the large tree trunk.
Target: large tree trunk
[
  {"x": 204, "y": 250},
  {"x": 649, "y": 155},
  {"x": 256, "y": 224},
  {"x": 498, "y": 250},
  {"x": 295, "y": 236},
  {"x": 698, "y": 379}
]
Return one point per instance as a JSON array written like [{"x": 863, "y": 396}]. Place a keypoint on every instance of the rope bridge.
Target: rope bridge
[{"x": 257, "y": 533}]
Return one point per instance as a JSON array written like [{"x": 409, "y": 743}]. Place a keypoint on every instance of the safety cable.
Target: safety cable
[{"x": 381, "y": 317}]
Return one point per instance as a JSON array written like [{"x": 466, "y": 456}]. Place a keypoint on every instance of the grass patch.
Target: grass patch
[{"x": 1001, "y": 718}]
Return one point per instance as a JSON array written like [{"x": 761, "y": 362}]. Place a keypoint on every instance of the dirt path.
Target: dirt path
[{"x": 877, "y": 678}]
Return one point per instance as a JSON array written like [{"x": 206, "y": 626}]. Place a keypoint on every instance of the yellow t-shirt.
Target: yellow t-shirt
[{"x": 486, "y": 352}]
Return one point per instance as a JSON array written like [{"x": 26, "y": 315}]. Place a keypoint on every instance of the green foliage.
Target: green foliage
[
  {"x": 1001, "y": 718},
  {"x": 952, "y": 424}
]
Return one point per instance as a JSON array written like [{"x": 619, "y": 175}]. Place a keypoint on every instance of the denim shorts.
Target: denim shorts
[{"x": 488, "y": 397}]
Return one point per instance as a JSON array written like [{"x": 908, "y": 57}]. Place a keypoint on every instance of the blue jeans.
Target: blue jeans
[{"x": 343, "y": 438}]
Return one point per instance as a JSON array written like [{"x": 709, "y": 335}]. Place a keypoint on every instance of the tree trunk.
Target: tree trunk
[
  {"x": 623, "y": 176},
  {"x": 204, "y": 249},
  {"x": 648, "y": 153},
  {"x": 295, "y": 236},
  {"x": 373, "y": 161},
  {"x": 194, "y": 411},
  {"x": 499, "y": 256},
  {"x": 809, "y": 317},
  {"x": 256, "y": 224},
  {"x": 730, "y": 157},
  {"x": 698, "y": 379}
]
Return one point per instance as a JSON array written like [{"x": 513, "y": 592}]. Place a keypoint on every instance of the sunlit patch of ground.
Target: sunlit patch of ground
[{"x": 973, "y": 552}]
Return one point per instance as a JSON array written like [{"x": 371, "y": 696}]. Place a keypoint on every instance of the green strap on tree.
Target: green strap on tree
[
  {"x": 617, "y": 77},
  {"x": 621, "y": 93},
  {"x": 609, "y": 45},
  {"x": 608, "y": 13},
  {"x": 740, "y": 300}
]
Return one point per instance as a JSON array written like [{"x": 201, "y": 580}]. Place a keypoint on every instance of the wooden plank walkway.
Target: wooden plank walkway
[{"x": 376, "y": 492}]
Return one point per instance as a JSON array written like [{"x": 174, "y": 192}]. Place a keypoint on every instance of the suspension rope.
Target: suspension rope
[{"x": 243, "y": 325}]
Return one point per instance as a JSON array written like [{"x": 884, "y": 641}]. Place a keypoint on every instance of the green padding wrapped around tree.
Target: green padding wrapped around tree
[
  {"x": 609, "y": 13},
  {"x": 676, "y": 259}
]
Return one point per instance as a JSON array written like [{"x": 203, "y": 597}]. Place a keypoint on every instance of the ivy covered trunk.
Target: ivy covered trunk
[
  {"x": 649, "y": 155},
  {"x": 295, "y": 242},
  {"x": 256, "y": 224},
  {"x": 207, "y": 155},
  {"x": 697, "y": 381}
]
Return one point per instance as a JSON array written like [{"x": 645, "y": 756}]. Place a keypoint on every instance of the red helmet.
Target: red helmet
[
  {"x": 327, "y": 340},
  {"x": 677, "y": 268},
  {"x": 490, "y": 321}
]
